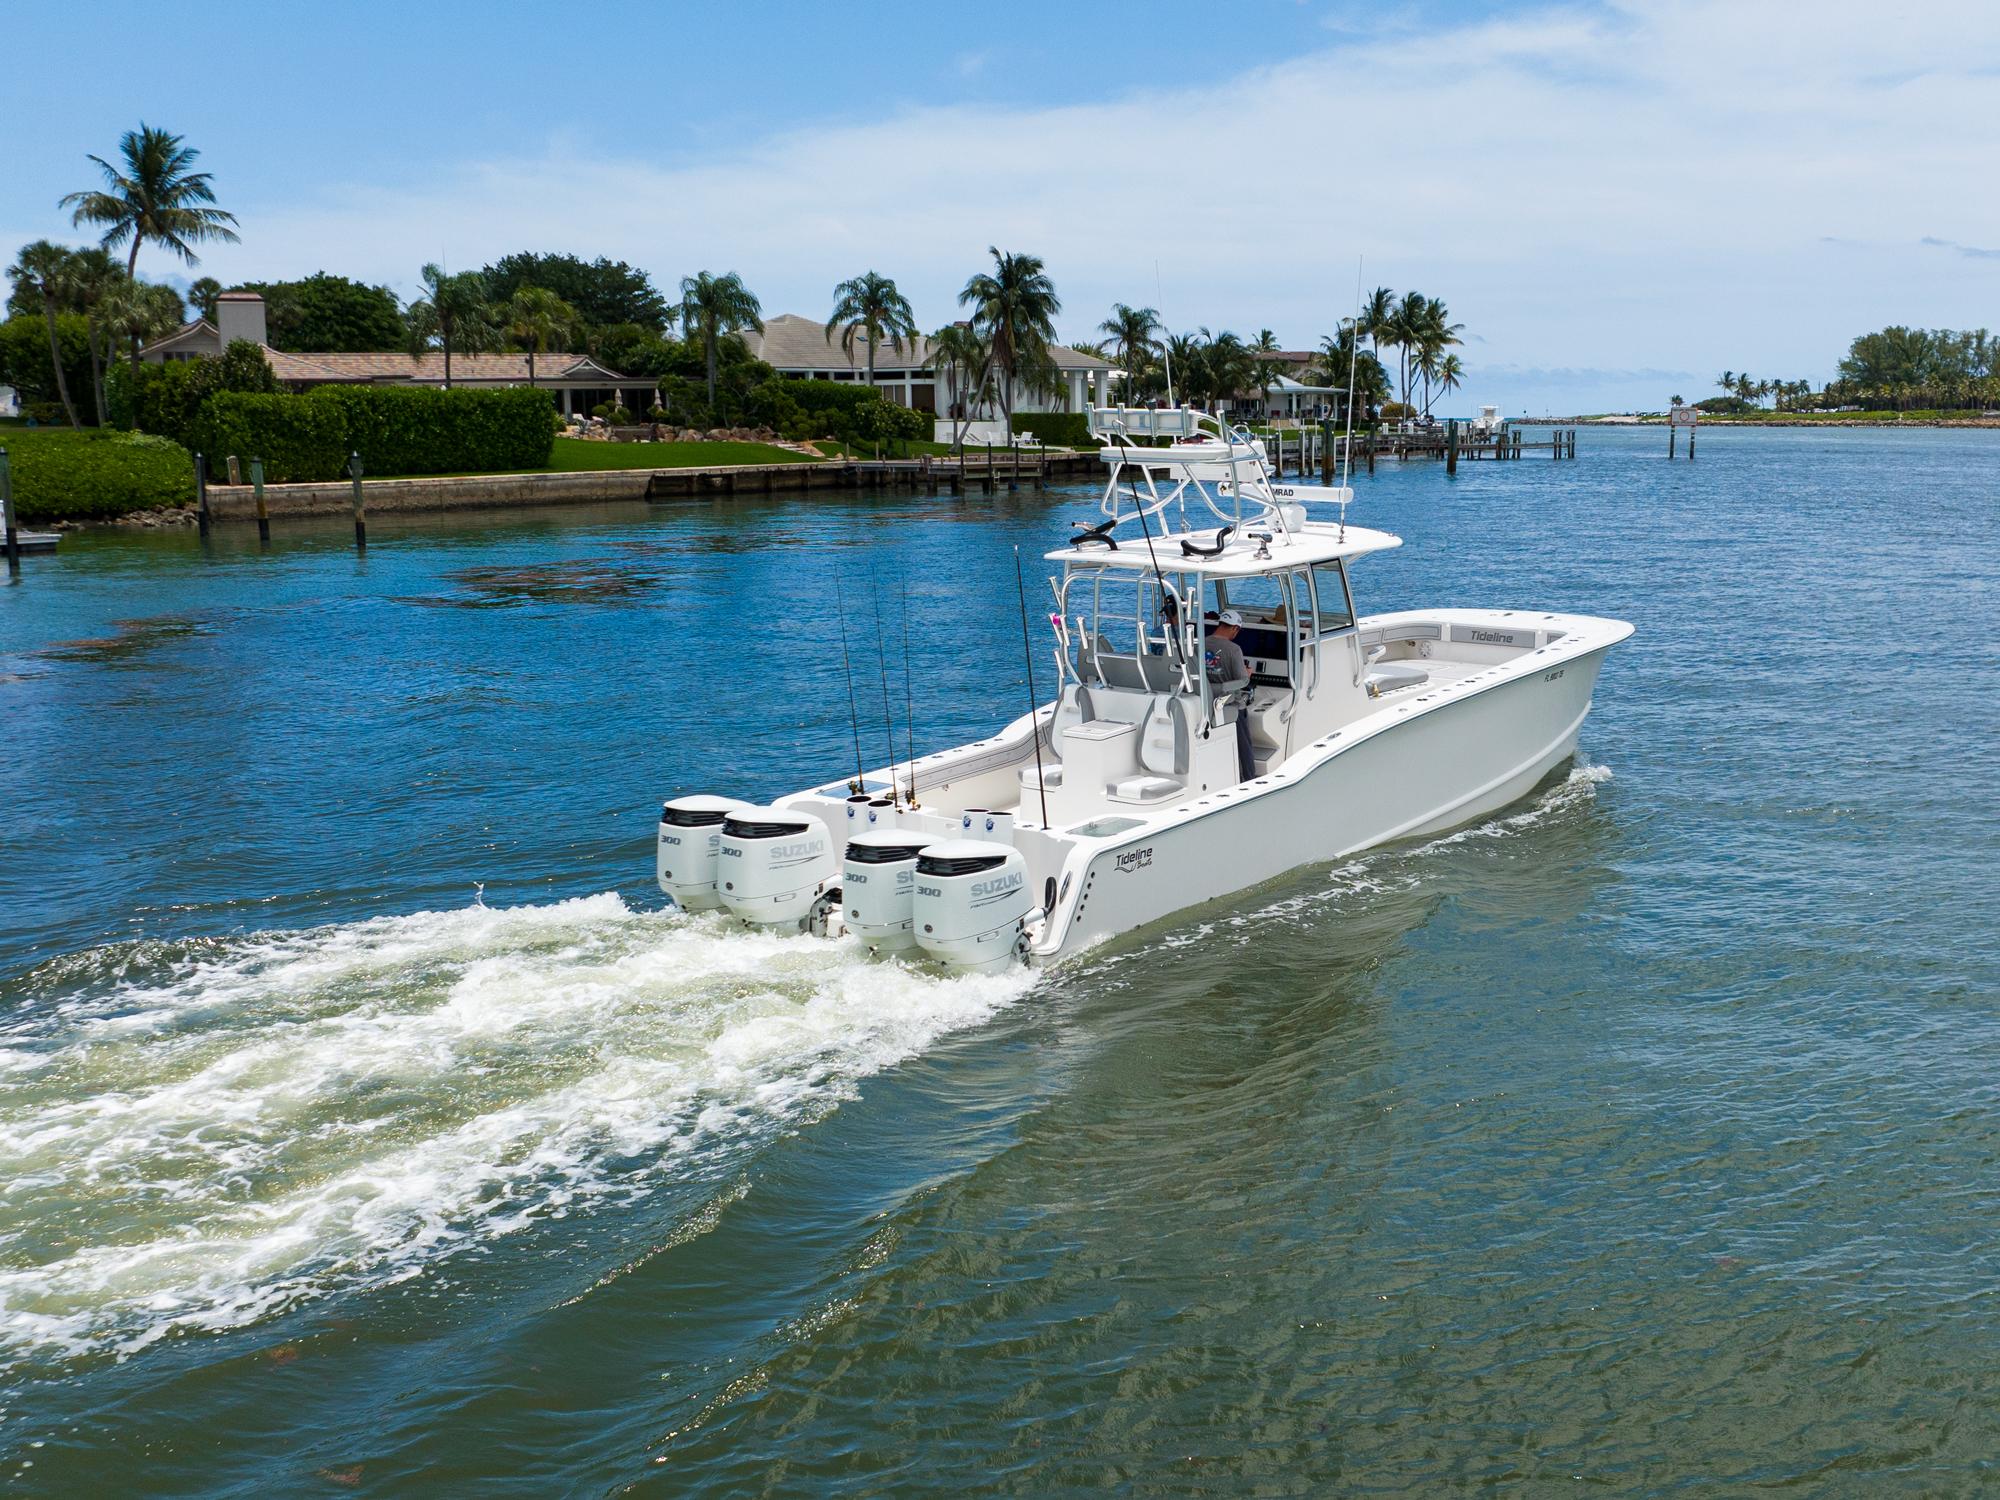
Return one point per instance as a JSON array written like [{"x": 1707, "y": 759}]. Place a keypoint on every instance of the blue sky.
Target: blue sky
[{"x": 1616, "y": 199}]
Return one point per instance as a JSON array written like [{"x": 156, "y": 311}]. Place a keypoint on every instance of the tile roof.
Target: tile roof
[
  {"x": 428, "y": 368},
  {"x": 790, "y": 342}
]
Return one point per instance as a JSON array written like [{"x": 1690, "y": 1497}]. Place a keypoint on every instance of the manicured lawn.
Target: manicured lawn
[{"x": 574, "y": 454}]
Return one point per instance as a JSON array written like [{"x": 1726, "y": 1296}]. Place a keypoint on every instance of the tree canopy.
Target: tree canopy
[
  {"x": 151, "y": 194},
  {"x": 330, "y": 314},
  {"x": 602, "y": 292}
]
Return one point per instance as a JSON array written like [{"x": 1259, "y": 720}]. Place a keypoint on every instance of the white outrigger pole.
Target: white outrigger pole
[{"x": 1123, "y": 799}]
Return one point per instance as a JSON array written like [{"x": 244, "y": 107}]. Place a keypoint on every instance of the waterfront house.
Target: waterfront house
[
  {"x": 799, "y": 348},
  {"x": 576, "y": 381}
]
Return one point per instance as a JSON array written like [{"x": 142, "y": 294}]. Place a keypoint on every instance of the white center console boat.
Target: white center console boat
[{"x": 1124, "y": 798}]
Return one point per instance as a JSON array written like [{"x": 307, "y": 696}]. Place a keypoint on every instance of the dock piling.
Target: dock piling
[
  {"x": 360, "y": 514},
  {"x": 201, "y": 495},
  {"x": 263, "y": 512},
  {"x": 7, "y": 517}
]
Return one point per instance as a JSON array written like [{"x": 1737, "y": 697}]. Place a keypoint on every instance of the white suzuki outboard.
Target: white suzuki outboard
[
  {"x": 774, "y": 865},
  {"x": 690, "y": 832},
  {"x": 972, "y": 904},
  {"x": 878, "y": 881}
]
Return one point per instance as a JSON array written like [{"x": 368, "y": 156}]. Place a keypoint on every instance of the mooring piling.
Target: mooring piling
[
  {"x": 360, "y": 514},
  {"x": 7, "y": 516},
  {"x": 201, "y": 495},
  {"x": 263, "y": 512}
]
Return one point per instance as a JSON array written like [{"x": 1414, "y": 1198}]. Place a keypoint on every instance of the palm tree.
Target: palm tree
[
  {"x": 1184, "y": 352},
  {"x": 538, "y": 320},
  {"x": 1014, "y": 308},
  {"x": 455, "y": 313},
  {"x": 960, "y": 355},
  {"x": 1267, "y": 370},
  {"x": 1450, "y": 374},
  {"x": 714, "y": 305},
  {"x": 41, "y": 266},
  {"x": 137, "y": 311},
  {"x": 202, "y": 294},
  {"x": 153, "y": 196},
  {"x": 88, "y": 276},
  {"x": 1406, "y": 332},
  {"x": 1133, "y": 340},
  {"x": 1356, "y": 372},
  {"x": 1727, "y": 380},
  {"x": 871, "y": 306},
  {"x": 1377, "y": 314}
]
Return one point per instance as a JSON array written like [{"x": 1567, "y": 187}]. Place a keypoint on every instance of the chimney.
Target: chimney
[{"x": 240, "y": 315}]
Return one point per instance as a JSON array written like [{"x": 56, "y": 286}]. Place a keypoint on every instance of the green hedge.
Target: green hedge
[
  {"x": 411, "y": 430},
  {"x": 298, "y": 437},
  {"x": 395, "y": 429},
  {"x": 1063, "y": 429},
  {"x": 75, "y": 476}
]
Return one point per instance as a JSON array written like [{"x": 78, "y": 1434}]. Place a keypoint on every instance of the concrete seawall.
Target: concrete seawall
[{"x": 510, "y": 491}]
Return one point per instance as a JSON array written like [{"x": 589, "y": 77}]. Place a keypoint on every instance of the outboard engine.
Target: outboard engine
[
  {"x": 690, "y": 830},
  {"x": 972, "y": 903},
  {"x": 878, "y": 880},
  {"x": 774, "y": 865}
]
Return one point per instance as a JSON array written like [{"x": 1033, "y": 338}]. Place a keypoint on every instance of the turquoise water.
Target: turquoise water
[{"x": 365, "y": 1124}]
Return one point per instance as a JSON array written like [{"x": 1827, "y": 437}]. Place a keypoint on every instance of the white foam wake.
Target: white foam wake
[{"x": 210, "y": 1142}]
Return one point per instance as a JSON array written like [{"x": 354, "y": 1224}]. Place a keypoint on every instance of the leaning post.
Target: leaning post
[
  {"x": 360, "y": 514},
  {"x": 1451, "y": 446},
  {"x": 263, "y": 515},
  {"x": 201, "y": 493},
  {"x": 7, "y": 516}
]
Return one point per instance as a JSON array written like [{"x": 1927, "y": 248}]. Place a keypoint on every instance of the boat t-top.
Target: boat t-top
[{"x": 1155, "y": 778}]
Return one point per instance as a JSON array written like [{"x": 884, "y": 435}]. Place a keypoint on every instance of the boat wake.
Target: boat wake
[{"x": 195, "y": 1136}]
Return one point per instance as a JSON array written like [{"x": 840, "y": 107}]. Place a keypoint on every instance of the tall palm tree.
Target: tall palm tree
[
  {"x": 1727, "y": 381},
  {"x": 1406, "y": 333},
  {"x": 1134, "y": 338},
  {"x": 152, "y": 195},
  {"x": 87, "y": 278},
  {"x": 538, "y": 320},
  {"x": 454, "y": 312},
  {"x": 714, "y": 305},
  {"x": 960, "y": 355},
  {"x": 1356, "y": 372},
  {"x": 41, "y": 266},
  {"x": 1450, "y": 375},
  {"x": 870, "y": 305},
  {"x": 1014, "y": 308},
  {"x": 1378, "y": 312},
  {"x": 1436, "y": 333}
]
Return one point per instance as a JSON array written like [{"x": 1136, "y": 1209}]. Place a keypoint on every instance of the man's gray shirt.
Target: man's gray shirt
[{"x": 1224, "y": 662}]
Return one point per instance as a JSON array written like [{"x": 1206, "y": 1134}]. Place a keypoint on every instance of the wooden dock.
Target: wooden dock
[{"x": 985, "y": 471}]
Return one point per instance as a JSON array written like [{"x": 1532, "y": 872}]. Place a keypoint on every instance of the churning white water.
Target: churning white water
[{"x": 195, "y": 1136}]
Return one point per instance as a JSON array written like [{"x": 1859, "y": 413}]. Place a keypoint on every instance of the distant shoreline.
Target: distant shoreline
[{"x": 1708, "y": 421}]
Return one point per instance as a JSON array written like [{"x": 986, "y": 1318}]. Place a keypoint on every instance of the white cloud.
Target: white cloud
[{"x": 1653, "y": 188}]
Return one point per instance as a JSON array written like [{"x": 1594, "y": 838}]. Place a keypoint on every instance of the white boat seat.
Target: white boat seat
[
  {"x": 1166, "y": 737},
  {"x": 1388, "y": 676},
  {"x": 1046, "y": 778},
  {"x": 1146, "y": 789}
]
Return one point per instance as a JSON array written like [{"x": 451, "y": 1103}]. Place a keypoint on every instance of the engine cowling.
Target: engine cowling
[
  {"x": 972, "y": 903},
  {"x": 690, "y": 833},
  {"x": 878, "y": 880},
  {"x": 773, "y": 865}
]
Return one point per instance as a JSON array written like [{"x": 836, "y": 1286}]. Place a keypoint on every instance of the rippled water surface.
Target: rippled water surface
[{"x": 367, "y": 1124}]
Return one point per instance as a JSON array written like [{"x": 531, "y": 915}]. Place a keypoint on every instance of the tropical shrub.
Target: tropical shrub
[
  {"x": 165, "y": 399},
  {"x": 851, "y": 413},
  {"x": 74, "y": 476},
  {"x": 297, "y": 437},
  {"x": 1065, "y": 429}
]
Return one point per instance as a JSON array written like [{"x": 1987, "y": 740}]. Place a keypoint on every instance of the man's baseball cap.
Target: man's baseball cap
[{"x": 1229, "y": 617}]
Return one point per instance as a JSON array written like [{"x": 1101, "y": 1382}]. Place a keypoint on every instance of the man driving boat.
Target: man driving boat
[{"x": 1222, "y": 658}]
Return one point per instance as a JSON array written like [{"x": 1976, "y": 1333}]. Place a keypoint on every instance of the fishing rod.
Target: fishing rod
[
  {"x": 888, "y": 720},
  {"x": 1034, "y": 701},
  {"x": 847, "y": 664},
  {"x": 909, "y": 698}
]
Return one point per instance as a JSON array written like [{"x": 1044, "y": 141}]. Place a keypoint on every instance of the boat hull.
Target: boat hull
[{"x": 1438, "y": 767}]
